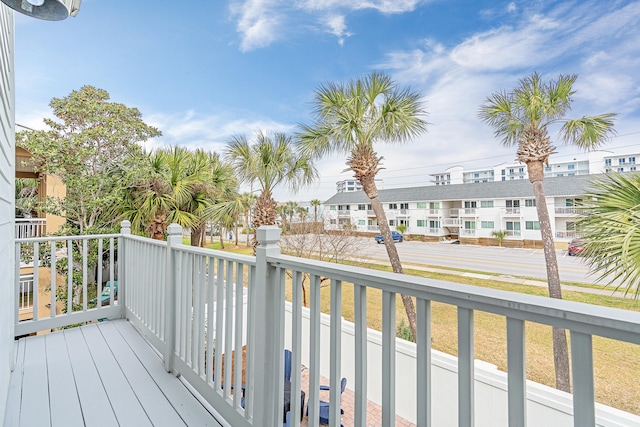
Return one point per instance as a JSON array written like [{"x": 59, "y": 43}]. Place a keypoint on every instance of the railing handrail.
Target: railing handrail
[
  {"x": 227, "y": 256},
  {"x": 597, "y": 320},
  {"x": 19, "y": 220},
  {"x": 65, "y": 238}
]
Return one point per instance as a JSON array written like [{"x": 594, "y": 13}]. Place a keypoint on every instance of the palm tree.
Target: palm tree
[
  {"x": 247, "y": 200},
  {"x": 291, "y": 208},
  {"x": 316, "y": 204},
  {"x": 270, "y": 161},
  {"x": 608, "y": 221},
  {"x": 282, "y": 211},
  {"x": 302, "y": 213},
  {"x": 350, "y": 118},
  {"x": 522, "y": 118}
]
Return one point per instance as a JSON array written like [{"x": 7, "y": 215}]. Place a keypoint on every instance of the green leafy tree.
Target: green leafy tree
[
  {"x": 271, "y": 160},
  {"x": 350, "y": 118},
  {"x": 26, "y": 196},
  {"x": 401, "y": 228},
  {"x": 84, "y": 147},
  {"x": 609, "y": 220},
  {"x": 522, "y": 118}
]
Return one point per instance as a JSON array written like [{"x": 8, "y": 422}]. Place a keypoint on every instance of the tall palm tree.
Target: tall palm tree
[
  {"x": 247, "y": 200},
  {"x": 350, "y": 118},
  {"x": 608, "y": 220},
  {"x": 291, "y": 207},
  {"x": 316, "y": 204},
  {"x": 522, "y": 118},
  {"x": 271, "y": 160},
  {"x": 283, "y": 212}
]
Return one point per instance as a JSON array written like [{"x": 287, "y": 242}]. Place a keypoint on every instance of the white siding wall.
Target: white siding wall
[{"x": 7, "y": 173}]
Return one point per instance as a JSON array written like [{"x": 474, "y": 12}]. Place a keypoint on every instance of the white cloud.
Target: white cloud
[
  {"x": 259, "y": 22},
  {"x": 337, "y": 26}
]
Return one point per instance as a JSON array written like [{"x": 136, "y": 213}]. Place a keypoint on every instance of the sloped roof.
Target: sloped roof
[{"x": 521, "y": 188}]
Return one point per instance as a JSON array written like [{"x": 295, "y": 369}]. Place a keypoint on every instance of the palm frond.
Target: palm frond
[{"x": 588, "y": 132}]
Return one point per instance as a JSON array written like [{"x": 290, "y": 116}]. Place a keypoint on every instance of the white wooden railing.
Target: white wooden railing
[
  {"x": 189, "y": 302},
  {"x": 30, "y": 227},
  {"x": 25, "y": 292}
]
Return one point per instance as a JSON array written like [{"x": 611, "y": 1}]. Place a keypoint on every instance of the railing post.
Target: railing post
[
  {"x": 125, "y": 230},
  {"x": 265, "y": 354},
  {"x": 174, "y": 238}
]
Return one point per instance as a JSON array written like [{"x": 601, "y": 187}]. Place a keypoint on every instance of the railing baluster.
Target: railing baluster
[
  {"x": 335, "y": 347},
  {"x": 202, "y": 318},
  {"x": 516, "y": 371},
  {"x": 314, "y": 351},
  {"x": 388, "y": 358},
  {"x": 210, "y": 330},
  {"x": 69, "y": 276},
  {"x": 185, "y": 313},
  {"x": 582, "y": 375},
  {"x": 85, "y": 279},
  {"x": 99, "y": 278},
  {"x": 423, "y": 360},
  {"x": 195, "y": 341},
  {"x": 465, "y": 367},
  {"x": 228, "y": 326},
  {"x": 251, "y": 319},
  {"x": 296, "y": 343},
  {"x": 360, "y": 356},
  {"x": 17, "y": 282},
  {"x": 239, "y": 328},
  {"x": 36, "y": 279},
  {"x": 220, "y": 350},
  {"x": 54, "y": 288},
  {"x": 112, "y": 276}
]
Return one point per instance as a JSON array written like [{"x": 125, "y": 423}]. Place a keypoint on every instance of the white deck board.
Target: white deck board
[
  {"x": 94, "y": 401},
  {"x": 124, "y": 402},
  {"x": 162, "y": 413},
  {"x": 103, "y": 374},
  {"x": 193, "y": 414},
  {"x": 63, "y": 395},
  {"x": 34, "y": 409}
]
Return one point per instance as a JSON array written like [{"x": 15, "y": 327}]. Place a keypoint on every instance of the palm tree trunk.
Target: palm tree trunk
[
  {"x": 196, "y": 235},
  {"x": 370, "y": 189},
  {"x": 560, "y": 347}
]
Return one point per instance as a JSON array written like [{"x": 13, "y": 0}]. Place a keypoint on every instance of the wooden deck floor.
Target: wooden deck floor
[{"x": 103, "y": 374}]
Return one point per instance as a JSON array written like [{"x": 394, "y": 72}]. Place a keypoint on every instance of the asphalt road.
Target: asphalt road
[{"x": 504, "y": 261}]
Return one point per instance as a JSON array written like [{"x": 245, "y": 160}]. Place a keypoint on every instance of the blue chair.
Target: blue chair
[
  {"x": 324, "y": 406},
  {"x": 287, "y": 365}
]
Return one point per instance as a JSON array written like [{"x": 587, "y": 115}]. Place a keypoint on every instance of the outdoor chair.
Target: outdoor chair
[{"x": 324, "y": 406}]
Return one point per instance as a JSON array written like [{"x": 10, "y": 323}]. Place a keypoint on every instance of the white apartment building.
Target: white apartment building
[
  {"x": 470, "y": 212},
  {"x": 593, "y": 162},
  {"x": 352, "y": 184}
]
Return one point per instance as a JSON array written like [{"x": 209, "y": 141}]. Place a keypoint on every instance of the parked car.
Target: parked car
[
  {"x": 576, "y": 246},
  {"x": 396, "y": 236}
]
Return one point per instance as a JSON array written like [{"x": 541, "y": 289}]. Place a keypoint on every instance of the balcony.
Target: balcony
[
  {"x": 468, "y": 211},
  {"x": 30, "y": 227},
  {"x": 373, "y": 228},
  {"x": 511, "y": 212},
  {"x": 468, "y": 232},
  {"x": 188, "y": 309},
  {"x": 344, "y": 212},
  {"x": 568, "y": 210}
]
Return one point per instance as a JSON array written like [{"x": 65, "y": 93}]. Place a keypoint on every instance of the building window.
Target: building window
[
  {"x": 607, "y": 162},
  {"x": 404, "y": 205},
  {"x": 486, "y": 203},
  {"x": 343, "y": 207},
  {"x": 421, "y": 205},
  {"x": 470, "y": 225},
  {"x": 362, "y": 207},
  {"x": 393, "y": 206},
  {"x": 470, "y": 204},
  {"x": 632, "y": 168},
  {"x": 361, "y": 222},
  {"x": 547, "y": 168},
  {"x": 503, "y": 172},
  {"x": 632, "y": 160},
  {"x": 530, "y": 203},
  {"x": 434, "y": 224},
  {"x": 532, "y": 225},
  {"x": 332, "y": 207},
  {"x": 571, "y": 167},
  {"x": 511, "y": 171},
  {"x": 521, "y": 170},
  {"x": 332, "y": 222},
  {"x": 513, "y": 203},
  {"x": 513, "y": 225},
  {"x": 621, "y": 161},
  {"x": 392, "y": 222},
  {"x": 476, "y": 175},
  {"x": 503, "y": 178},
  {"x": 620, "y": 169},
  {"x": 487, "y": 224},
  {"x": 560, "y": 174},
  {"x": 421, "y": 223}
]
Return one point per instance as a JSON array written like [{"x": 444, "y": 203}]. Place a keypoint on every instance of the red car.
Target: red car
[{"x": 576, "y": 246}]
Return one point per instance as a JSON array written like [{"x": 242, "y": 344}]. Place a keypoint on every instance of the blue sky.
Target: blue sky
[{"x": 202, "y": 71}]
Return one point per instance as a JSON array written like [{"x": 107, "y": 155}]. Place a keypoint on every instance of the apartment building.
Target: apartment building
[
  {"x": 590, "y": 163},
  {"x": 469, "y": 212}
]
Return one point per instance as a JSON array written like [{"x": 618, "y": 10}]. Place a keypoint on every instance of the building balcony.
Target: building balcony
[
  {"x": 344, "y": 212},
  {"x": 402, "y": 212},
  {"x": 30, "y": 227},
  {"x": 181, "y": 313},
  {"x": 468, "y": 232},
  {"x": 451, "y": 222},
  {"x": 510, "y": 211},
  {"x": 373, "y": 228},
  {"x": 571, "y": 234},
  {"x": 468, "y": 211},
  {"x": 568, "y": 211}
]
